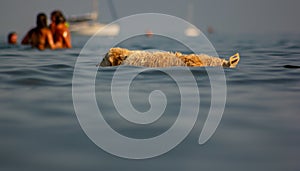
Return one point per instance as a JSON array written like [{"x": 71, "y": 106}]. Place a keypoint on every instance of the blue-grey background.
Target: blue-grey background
[{"x": 225, "y": 16}]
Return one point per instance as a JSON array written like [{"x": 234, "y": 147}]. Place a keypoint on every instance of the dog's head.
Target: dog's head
[{"x": 115, "y": 56}]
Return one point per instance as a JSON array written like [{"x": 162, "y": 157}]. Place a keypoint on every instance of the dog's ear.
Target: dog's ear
[
  {"x": 113, "y": 60},
  {"x": 119, "y": 60},
  {"x": 234, "y": 60},
  {"x": 191, "y": 60},
  {"x": 116, "y": 60}
]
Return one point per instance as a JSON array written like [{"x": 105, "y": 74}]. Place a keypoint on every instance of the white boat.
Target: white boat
[
  {"x": 191, "y": 31},
  {"x": 91, "y": 28},
  {"x": 88, "y": 25}
]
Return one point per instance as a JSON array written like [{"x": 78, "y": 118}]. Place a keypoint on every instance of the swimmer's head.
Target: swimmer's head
[
  {"x": 57, "y": 16},
  {"x": 41, "y": 20},
  {"x": 12, "y": 38}
]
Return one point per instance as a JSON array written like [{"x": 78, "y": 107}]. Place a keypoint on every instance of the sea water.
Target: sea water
[{"x": 259, "y": 129}]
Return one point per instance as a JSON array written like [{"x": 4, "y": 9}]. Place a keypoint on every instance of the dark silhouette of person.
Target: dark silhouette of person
[
  {"x": 40, "y": 37},
  {"x": 60, "y": 30}
]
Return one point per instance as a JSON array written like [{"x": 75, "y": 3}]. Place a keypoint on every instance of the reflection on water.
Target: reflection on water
[{"x": 259, "y": 129}]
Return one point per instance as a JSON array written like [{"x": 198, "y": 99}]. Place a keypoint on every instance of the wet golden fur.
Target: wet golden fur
[{"x": 120, "y": 56}]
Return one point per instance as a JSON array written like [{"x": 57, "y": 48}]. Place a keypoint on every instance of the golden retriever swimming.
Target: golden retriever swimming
[{"x": 120, "y": 56}]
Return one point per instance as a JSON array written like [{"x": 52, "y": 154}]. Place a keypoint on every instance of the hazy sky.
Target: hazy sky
[{"x": 226, "y": 16}]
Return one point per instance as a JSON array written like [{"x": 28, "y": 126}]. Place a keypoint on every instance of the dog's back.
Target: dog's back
[{"x": 153, "y": 59}]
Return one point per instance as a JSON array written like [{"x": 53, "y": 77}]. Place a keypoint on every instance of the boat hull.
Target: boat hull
[{"x": 97, "y": 29}]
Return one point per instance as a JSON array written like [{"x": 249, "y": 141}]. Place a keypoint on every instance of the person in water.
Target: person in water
[
  {"x": 60, "y": 30},
  {"x": 40, "y": 37},
  {"x": 12, "y": 38},
  {"x": 54, "y": 14}
]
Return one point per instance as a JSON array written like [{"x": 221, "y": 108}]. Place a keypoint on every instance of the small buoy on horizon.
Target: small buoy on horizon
[
  {"x": 210, "y": 30},
  {"x": 149, "y": 33}
]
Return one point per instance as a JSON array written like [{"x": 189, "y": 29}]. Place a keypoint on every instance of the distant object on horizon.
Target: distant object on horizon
[
  {"x": 88, "y": 25},
  {"x": 149, "y": 33},
  {"x": 192, "y": 31},
  {"x": 210, "y": 30},
  {"x": 12, "y": 38}
]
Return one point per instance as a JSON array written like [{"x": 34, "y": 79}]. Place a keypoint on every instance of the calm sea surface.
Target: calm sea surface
[{"x": 259, "y": 129}]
